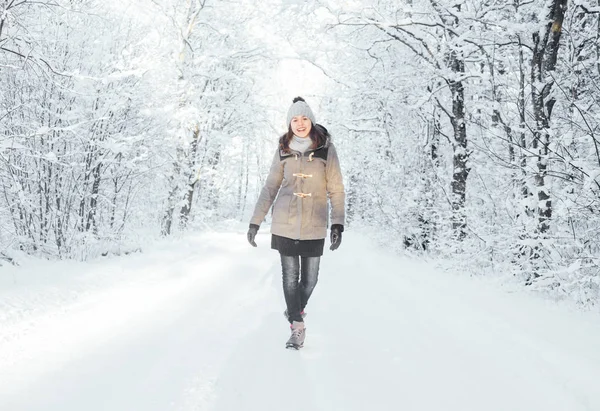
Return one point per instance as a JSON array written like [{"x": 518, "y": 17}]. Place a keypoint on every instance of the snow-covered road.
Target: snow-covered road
[{"x": 197, "y": 325}]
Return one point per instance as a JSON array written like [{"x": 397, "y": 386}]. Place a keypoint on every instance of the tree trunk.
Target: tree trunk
[
  {"x": 92, "y": 211},
  {"x": 184, "y": 213},
  {"x": 525, "y": 193},
  {"x": 167, "y": 221},
  {"x": 427, "y": 220},
  {"x": 455, "y": 62},
  {"x": 460, "y": 150},
  {"x": 543, "y": 64},
  {"x": 598, "y": 43}
]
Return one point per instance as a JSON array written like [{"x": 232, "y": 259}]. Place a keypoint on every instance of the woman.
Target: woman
[{"x": 306, "y": 173}]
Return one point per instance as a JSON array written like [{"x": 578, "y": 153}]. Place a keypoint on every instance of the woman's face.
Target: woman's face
[{"x": 301, "y": 126}]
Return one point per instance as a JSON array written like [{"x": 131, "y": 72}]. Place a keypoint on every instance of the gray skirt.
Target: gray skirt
[{"x": 302, "y": 248}]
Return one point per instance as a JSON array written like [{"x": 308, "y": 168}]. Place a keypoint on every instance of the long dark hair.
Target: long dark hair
[{"x": 318, "y": 134}]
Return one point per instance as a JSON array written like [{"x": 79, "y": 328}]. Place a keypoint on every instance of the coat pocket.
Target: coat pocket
[
  {"x": 319, "y": 215},
  {"x": 281, "y": 210}
]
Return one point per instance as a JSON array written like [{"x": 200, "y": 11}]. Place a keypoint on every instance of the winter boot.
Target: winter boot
[
  {"x": 296, "y": 340},
  {"x": 287, "y": 317}
]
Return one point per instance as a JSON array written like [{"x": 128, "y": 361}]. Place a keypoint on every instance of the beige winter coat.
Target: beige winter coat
[{"x": 304, "y": 183}]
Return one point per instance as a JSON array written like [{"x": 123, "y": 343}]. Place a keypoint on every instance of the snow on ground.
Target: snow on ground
[{"x": 196, "y": 324}]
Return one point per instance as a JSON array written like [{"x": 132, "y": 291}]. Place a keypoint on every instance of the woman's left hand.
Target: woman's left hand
[{"x": 336, "y": 236}]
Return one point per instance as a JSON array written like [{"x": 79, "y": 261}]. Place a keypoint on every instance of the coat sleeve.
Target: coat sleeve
[
  {"x": 269, "y": 191},
  {"x": 335, "y": 187}
]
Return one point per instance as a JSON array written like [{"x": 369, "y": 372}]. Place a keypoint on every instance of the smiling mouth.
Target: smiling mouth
[{"x": 302, "y": 129}]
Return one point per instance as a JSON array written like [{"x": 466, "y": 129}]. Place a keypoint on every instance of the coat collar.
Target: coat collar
[{"x": 308, "y": 152}]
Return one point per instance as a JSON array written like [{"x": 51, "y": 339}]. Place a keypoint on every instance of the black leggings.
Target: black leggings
[{"x": 296, "y": 289}]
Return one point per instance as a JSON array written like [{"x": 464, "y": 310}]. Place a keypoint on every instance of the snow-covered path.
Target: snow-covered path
[{"x": 197, "y": 325}]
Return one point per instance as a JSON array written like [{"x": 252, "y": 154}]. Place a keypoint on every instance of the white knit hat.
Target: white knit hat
[{"x": 300, "y": 108}]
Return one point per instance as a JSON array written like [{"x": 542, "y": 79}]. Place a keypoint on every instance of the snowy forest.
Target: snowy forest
[{"x": 467, "y": 130}]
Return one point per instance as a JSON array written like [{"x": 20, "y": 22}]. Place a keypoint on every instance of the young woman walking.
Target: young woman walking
[{"x": 304, "y": 174}]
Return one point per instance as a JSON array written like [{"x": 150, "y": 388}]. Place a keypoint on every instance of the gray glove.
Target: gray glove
[
  {"x": 336, "y": 236},
  {"x": 252, "y": 234}
]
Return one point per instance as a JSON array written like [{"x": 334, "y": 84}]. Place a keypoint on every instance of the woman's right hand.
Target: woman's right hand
[{"x": 252, "y": 231}]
